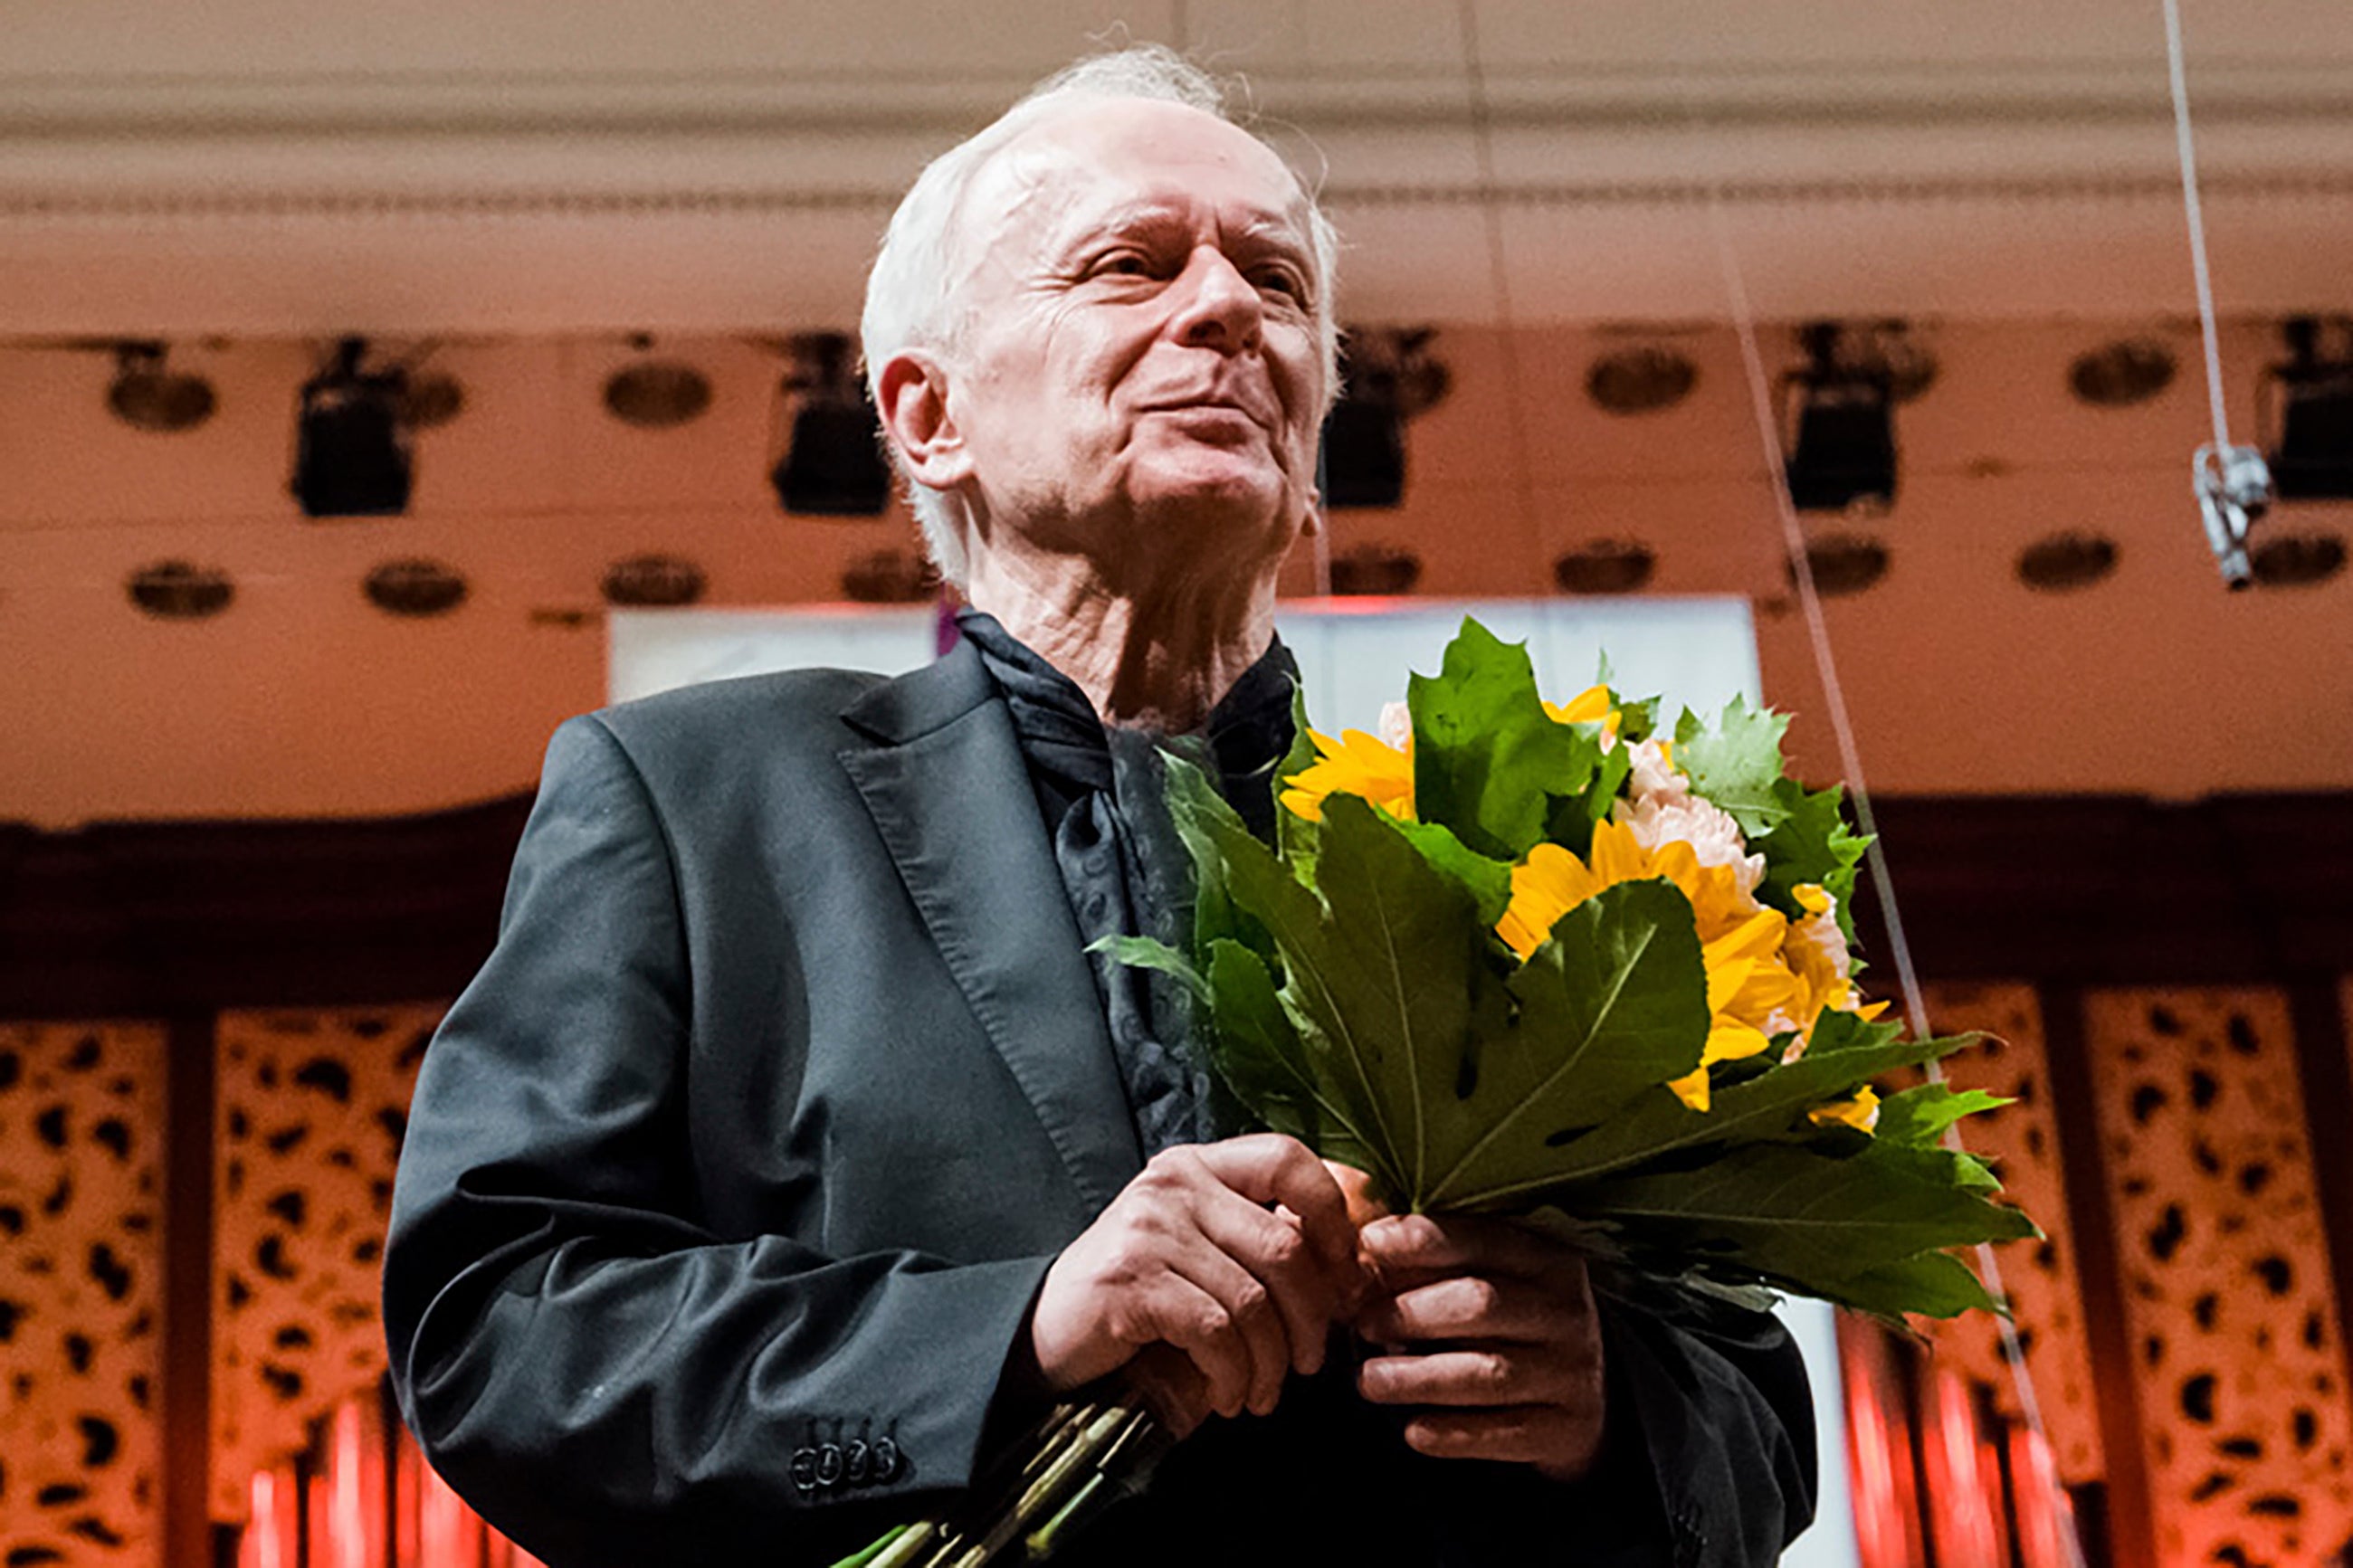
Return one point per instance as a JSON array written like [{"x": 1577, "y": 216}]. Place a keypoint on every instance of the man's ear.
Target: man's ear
[{"x": 912, "y": 397}]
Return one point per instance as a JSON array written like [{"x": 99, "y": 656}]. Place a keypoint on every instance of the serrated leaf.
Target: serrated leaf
[
  {"x": 1611, "y": 1004},
  {"x": 1151, "y": 952},
  {"x": 1257, "y": 1052},
  {"x": 1918, "y": 1117},
  {"x": 1933, "y": 1285},
  {"x": 1736, "y": 763},
  {"x": 1810, "y": 843},
  {"x": 1489, "y": 882},
  {"x": 1487, "y": 757},
  {"x": 1657, "y": 1126},
  {"x": 1803, "y": 1219}
]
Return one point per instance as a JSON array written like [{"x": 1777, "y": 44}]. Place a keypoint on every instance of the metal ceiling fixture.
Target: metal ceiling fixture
[
  {"x": 653, "y": 581},
  {"x": 1391, "y": 377},
  {"x": 2308, "y": 407},
  {"x": 2298, "y": 560},
  {"x": 1845, "y": 563},
  {"x": 1605, "y": 566},
  {"x": 1376, "y": 569},
  {"x": 148, "y": 395},
  {"x": 830, "y": 462},
  {"x": 180, "y": 590},
  {"x": 657, "y": 394},
  {"x": 351, "y": 454},
  {"x": 415, "y": 587},
  {"x": 1641, "y": 379},
  {"x": 2063, "y": 562},
  {"x": 1839, "y": 414},
  {"x": 890, "y": 577},
  {"x": 2121, "y": 373}
]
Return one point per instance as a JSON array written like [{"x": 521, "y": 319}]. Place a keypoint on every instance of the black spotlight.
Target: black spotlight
[
  {"x": 832, "y": 464},
  {"x": 1839, "y": 414},
  {"x": 1392, "y": 377},
  {"x": 352, "y": 455},
  {"x": 2311, "y": 409}
]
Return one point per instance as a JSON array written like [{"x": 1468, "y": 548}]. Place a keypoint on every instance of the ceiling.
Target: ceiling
[
  {"x": 519, "y": 186},
  {"x": 538, "y": 165}
]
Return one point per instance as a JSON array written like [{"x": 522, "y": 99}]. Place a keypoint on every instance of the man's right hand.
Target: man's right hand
[{"x": 1240, "y": 1254}]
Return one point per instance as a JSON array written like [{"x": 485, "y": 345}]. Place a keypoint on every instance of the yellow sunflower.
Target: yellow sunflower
[
  {"x": 1359, "y": 764},
  {"x": 1740, "y": 941}
]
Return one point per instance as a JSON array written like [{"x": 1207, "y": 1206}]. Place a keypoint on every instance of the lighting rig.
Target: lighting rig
[
  {"x": 830, "y": 458},
  {"x": 1391, "y": 378},
  {"x": 1839, "y": 415},
  {"x": 351, "y": 451}
]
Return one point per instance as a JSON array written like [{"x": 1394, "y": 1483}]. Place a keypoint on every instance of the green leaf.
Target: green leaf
[
  {"x": 1810, "y": 843},
  {"x": 1487, "y": 757},
  {"x": 1257, "y": 1052},
  {"x": 1613, "y": 1003},
  {"x": 1489, "y": 882},
  {"x": 1933, "y": 1285},
  {"x": 1150, "y": 952},
  {"x": 1657, "y": 1126},
  {"x": 1294, "y": 835},
  {"x": 1918, "y": 1117},
  {"x": 1736, "y": 764},
  {"x": 1803, "y": 1219}
]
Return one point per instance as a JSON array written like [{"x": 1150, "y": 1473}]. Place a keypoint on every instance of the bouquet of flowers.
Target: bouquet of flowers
[{"x": 1549, "y": 962}]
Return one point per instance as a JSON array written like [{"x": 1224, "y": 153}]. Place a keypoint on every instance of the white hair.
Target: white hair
[{"x": 913, "y": 292}]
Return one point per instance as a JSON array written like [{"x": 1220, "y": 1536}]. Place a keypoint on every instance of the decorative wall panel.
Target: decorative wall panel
[
  {"x": 81, "y": 1287},
  {"x": 2222, "y": 1263},
  {"x": 311, "y": 1109},
  {"x": 2022, "y": 1141}
]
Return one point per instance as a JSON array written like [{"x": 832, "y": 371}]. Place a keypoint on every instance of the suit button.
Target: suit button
[
  {"x": 885, "y": 1461},
  {"x": 854, "y": 1462},
  {"x": 829, "y": 1465},
  {"x": 802, "y": 1469}
]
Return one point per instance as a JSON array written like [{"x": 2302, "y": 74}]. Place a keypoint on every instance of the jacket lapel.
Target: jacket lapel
[{"x": 949, "y": 792}]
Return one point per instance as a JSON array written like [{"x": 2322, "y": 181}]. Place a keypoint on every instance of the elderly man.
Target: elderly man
[{"x": 789, "y": 1154}]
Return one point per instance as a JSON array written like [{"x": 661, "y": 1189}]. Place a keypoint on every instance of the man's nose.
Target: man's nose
[{"x": 1221, "y": 308}]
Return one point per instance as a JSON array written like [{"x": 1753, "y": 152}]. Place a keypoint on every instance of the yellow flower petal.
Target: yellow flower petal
[
  {"x": 1691, "y": 1089},
  {"x": 1359, "y": 764},
  {"x": 1862, "y": 1112}
]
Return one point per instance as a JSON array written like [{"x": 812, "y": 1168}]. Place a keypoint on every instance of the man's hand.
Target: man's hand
[
  {"x": 1492, "y": 1329},
  {"x": 1195, "y": 1253}
]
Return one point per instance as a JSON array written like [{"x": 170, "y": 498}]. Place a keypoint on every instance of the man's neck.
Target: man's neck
[{"x": 1159, "y": 660}]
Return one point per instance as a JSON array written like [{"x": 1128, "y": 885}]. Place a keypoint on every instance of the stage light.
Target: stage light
[
  {"x": 148, "y": 395},
  {"x": 1381, "y": 570},
  {"x": 890, "y": 577},
  {"x": 1639, "y": 380},
  {"x": 2118, "y": 374},
  {"x": 2063, "y": 562},
  {"x": 180, "y": 591},
  {"x": 352, "y": 455},
  {"x": 1391, "y": 378},
  {"x": 1605, "y": 566},
  {"x": 415, "y": 588},
  {"x": 1843, "y": 564},
  {"x": 831, "y": 465},
  {"x": 653, "y": 581},
  {"x": 657, "y": 394},
  {"x": 2311, "y": 410},
  {"x": 1840, "y": 423}
]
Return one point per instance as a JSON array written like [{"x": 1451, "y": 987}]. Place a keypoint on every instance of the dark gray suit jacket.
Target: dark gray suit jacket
[{"x": 730, "y": 1177}]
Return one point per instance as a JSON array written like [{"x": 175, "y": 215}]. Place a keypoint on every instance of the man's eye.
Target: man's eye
[
  {"x": 1124, "y": 264},
  {"x": 1282, "y": 280}
]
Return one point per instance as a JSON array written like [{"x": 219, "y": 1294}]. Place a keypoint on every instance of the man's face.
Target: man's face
[{"x": 1140, "y": 374}]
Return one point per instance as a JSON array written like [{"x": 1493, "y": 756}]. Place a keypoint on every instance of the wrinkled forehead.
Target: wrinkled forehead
[{"x": 1102, "y": 163}]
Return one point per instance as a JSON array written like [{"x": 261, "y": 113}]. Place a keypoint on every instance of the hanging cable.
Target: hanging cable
[
  {"x": 2232, "y": 484},
  {"x": 1801, "y": 574}
]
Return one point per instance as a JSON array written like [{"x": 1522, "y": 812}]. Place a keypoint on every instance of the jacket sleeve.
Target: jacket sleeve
[{"x": 604, "y": 1379}]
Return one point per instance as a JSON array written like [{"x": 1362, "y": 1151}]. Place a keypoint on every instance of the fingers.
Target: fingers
[
  {"x": 1469, "y": 1307},
  {"x": 1561, "y": 1443},
  {"x": 1480, "y": 1376},
  {"x": 1406, "y": 1244},
  {"x": 1172, "y": 1385},
  {"x": 1192, "y": 1254},
  {"x": 1268, "y": 1168}
]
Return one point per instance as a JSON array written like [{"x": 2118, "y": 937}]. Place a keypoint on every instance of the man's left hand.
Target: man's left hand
[{"x": 1490, "y": 1329}]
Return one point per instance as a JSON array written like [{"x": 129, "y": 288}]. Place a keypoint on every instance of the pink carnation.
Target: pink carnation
[{"x": 1660, "y": 817}]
